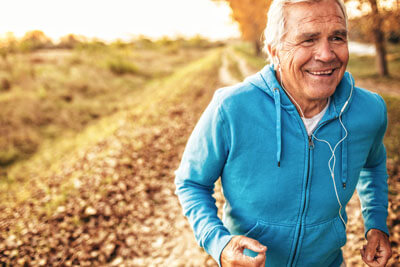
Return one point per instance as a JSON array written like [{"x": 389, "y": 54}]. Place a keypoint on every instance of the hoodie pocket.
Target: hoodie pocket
[
  {"x": 321, "y": 244},
  {"x": 340, "y": 231},
  {"x": 277, "y": 238}
]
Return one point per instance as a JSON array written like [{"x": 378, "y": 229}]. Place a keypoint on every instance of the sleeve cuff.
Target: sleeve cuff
[
  {"x": 216, "y": 241},
  {"x": 376, "y": 221}
]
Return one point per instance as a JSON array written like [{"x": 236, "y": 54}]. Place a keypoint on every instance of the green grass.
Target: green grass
[
  {"x": 47, "y": 94},
  {"x": 119, "y": 66},
  {"x": 145, "y": 111}
]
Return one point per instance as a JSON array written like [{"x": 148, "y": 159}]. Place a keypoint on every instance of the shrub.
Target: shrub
[{"x": 120, "y": 66}]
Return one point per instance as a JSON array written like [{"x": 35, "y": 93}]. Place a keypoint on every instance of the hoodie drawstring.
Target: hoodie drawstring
[
  {"x": 344, "y": 159},
  {"x": 277, "y": 99}
]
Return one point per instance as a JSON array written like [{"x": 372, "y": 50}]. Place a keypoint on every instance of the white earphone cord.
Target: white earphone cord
[{"x": 331, "y": 170}]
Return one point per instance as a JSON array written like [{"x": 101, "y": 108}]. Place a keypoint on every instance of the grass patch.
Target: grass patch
[
  {"x": 48, "y": 94},
  {"x": 119, "y": 66},
  {"x": 146, "y": 110}
]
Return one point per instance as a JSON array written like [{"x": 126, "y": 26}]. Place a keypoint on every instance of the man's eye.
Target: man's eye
[
  {"x": 337, "y": 39},
  {"x": 308, "y": 42}
]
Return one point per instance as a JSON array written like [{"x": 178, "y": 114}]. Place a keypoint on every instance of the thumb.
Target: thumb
[
  {"x": 252, "y": 244},
  {"x": 370, "y": 249}
]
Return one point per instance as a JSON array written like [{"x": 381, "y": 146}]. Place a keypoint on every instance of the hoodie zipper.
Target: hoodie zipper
[
  {"x": 310, "y": 148},
  {"x": 304, "y": 204}
]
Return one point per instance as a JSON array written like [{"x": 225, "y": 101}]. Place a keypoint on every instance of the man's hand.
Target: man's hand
[
  {"x": 232, "y": 255},
  {"x": 377, "y": 251}
]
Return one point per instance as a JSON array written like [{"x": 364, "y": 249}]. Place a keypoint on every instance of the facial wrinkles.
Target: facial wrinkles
[
  {"x": 289, "y": 48},
  {"x": 330, "y": 19}
]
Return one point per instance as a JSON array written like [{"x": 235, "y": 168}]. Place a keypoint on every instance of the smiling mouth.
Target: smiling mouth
[{"x": 321, "y": 72}]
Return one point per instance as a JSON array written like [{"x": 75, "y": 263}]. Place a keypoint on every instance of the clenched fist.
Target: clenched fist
[
  {"x": 377, "y": 252},
  {"x": 232, "y": 255}
]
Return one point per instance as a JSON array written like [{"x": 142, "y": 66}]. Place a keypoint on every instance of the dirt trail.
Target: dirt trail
[{"x": 225, "y": 76}]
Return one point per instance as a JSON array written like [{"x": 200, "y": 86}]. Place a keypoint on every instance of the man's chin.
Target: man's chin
[{"x": 321, "y": 91}]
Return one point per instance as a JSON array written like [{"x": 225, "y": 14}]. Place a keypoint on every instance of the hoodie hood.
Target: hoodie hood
[{"x": 341, "y": 99}]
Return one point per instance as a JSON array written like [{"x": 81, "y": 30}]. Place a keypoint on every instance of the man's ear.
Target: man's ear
[{"x": 274, "y": 56}]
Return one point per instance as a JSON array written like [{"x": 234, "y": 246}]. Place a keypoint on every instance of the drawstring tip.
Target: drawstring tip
[
  {"x": 279, "y": 164},
  {"x": 344, "y": 185}
]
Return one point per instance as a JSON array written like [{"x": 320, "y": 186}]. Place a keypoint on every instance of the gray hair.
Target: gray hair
[{"x": 275, "y": 30}]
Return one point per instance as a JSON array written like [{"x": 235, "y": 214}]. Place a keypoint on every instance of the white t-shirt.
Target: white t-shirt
[{"x": 311, "y": 123}]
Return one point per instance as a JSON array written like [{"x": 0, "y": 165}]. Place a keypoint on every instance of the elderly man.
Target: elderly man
[{"x": 291, "y": 144}]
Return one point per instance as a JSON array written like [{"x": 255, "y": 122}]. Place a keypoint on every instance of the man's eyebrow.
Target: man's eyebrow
[
  {"x": 308, "y": 35},
  {"x": 341, "y": 33},
  {"x": 311, "y": 35}
]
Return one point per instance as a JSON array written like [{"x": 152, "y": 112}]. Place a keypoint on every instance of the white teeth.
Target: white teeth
[{"x": 321, "y": 72}]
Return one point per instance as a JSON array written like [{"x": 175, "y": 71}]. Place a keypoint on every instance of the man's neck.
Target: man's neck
[
  {"x": 313, "y": 108},
  {"x": 307, "y": 108}
]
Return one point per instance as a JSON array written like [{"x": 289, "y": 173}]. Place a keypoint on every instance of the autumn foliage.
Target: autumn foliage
[{"x": 252, "y": 18}]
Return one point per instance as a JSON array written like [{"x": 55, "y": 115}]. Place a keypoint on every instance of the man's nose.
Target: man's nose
[{"x": 325, "y": 52}]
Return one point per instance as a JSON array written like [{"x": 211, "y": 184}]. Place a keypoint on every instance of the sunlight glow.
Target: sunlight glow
[{"x": 112, "y": 19}]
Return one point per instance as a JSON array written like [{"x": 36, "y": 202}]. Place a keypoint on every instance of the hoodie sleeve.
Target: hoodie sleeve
[
  {"x": 372, "y": 186},
  {"x": 202, "y": 164}
]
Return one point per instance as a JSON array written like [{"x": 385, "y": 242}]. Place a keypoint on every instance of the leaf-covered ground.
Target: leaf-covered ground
[{"x": 113, "y": 203}]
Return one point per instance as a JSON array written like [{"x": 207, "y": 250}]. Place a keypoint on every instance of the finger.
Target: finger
[
  {"x": 260, "y": 259},
  {"x": 247, "y": 261},
  {"x": 252, "y": 244},
  {"x": 385, "y": 253},
  {"x": 370, "y": 249},
  {"x": 363, "y": 257},
  {"x": 362, "y": 252},
  {"x": 376, "y": 262}
]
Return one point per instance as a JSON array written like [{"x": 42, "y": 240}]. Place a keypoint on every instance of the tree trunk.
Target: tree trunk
[
  {"x": 381, "y": 61},
  {"x": 379, "y": 39}
]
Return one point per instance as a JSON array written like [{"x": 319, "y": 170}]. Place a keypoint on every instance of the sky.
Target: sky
[{"x": 113, "y": 19}]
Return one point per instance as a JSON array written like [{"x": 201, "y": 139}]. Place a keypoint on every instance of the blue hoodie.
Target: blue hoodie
[{"x": 276, "y": 179}]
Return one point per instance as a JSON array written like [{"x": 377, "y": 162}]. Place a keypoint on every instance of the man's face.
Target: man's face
[{"x": 314, "y": 53}]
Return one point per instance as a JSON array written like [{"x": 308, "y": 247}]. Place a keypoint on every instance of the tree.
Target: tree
[
  {"x": 379, "y": 39},
  {"x": 378, "y": 21},
  {"x": 8, "y": 44},
  {"x": 69, "y": 41},
  {"x": 252, "y": 18},
  {"x": 34, "y": 40}
]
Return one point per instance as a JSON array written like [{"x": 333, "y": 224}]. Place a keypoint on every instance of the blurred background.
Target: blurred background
[{"x": 98, "y": 98}]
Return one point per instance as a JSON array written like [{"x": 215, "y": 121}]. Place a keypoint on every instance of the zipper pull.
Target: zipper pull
[{"x": 310, "y": 142}]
